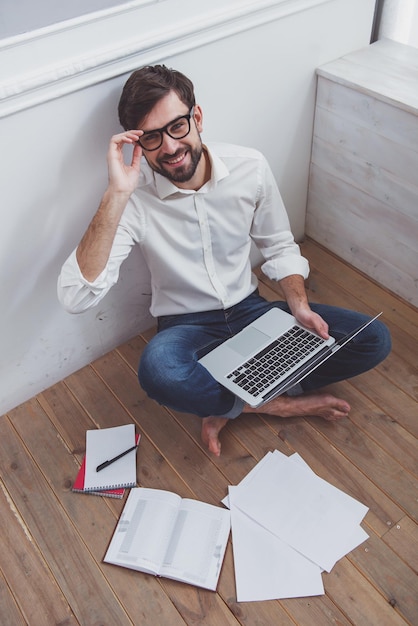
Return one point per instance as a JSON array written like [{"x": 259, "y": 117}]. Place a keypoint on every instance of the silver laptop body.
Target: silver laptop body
[{"x": 269, "y": 356}]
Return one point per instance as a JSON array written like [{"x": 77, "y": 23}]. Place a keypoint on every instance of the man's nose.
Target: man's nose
[{"x": 169, "y": 144}]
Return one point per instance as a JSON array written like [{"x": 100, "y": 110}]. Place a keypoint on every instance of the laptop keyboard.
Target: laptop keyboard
[{"x": 280, "y": 356}]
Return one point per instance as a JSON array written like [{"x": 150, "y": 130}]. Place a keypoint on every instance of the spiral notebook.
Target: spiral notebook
[
  {"x": 106, "y": 443},
  {"x": 78, "y": 486}
]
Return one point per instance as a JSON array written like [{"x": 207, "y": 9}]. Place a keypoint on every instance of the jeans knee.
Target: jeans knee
[
  {"x": 163, "y": 370},
  {"x": 149, "y": 368},
  {"x": 382, "y": 340},
  {"x": 384, "y": 337}
]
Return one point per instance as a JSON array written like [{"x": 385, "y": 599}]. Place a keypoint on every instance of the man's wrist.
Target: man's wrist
[{"x": 115, "y": 195}]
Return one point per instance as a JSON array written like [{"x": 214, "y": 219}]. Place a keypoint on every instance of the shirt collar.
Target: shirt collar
[{"x": 219, "y": 170}]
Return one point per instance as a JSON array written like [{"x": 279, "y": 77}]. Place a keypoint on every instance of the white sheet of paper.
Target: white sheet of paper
[
  {"x": 265, "y": 567},
  {"x": 304, "y": 511},
  {"x": 248, "y": 477},
  {"x": 352, "y": 540}
]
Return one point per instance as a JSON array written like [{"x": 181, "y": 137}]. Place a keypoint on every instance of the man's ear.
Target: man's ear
[{"x": 198, "y": 117}]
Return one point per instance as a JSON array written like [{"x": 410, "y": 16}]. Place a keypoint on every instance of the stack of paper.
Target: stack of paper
[{"x": 288, "y": 526}]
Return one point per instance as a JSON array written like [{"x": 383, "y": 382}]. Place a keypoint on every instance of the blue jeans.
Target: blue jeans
[{"x": 169, "y": 371}]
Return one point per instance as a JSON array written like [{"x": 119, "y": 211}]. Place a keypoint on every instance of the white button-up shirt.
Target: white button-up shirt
[{"x": 197, "y": 243}]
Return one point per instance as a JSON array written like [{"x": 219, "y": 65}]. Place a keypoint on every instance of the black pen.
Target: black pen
[{"x": 115, "y": 458}]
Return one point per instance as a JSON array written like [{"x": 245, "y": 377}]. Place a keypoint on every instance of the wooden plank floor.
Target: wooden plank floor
[{"x": 52, "y": 541}]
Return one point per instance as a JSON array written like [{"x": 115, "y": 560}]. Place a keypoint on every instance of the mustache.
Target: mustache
[{"x": 167, "y": 157}]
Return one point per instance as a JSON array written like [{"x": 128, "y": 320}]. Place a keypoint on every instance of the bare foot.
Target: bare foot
[
  {"x": 211, "y": 427},
  {"x": 310, "y": 404}
]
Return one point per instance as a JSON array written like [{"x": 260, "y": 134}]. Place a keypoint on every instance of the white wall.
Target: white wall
[
  {"x": 22, "y": 16},
  {"x": 399, "y": 21},
  {"x": 254, "y": 72}
]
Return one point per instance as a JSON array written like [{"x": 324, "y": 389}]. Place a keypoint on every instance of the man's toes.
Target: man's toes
[{"x": 214, "y": 446}]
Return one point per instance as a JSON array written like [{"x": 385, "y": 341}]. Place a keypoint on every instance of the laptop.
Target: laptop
[{"x": 271, "y": 355}]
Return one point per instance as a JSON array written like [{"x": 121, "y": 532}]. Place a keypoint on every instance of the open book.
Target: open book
[{"x": 162, "y": 534}]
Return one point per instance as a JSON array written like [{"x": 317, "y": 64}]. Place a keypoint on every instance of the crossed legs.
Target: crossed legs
[{"x": 170, "y": 373}]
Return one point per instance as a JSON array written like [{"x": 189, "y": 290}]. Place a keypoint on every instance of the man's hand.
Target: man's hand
[
  {"x": 294, "y": 291},
  {"x": 123, "y": 178},
  {"x": 313, "y": 321}
]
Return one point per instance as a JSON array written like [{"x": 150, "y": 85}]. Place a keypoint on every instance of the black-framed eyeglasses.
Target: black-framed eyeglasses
[{"x": 177, "y": 129}]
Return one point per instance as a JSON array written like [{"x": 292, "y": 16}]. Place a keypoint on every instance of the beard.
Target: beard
[{"x": 181, "y": 174}]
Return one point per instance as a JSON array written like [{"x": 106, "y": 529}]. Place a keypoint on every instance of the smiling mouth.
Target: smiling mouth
[{"x": 176, "y": 160}]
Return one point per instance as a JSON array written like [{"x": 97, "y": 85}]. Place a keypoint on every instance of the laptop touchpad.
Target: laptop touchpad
[{"x": 247, "y": 341}]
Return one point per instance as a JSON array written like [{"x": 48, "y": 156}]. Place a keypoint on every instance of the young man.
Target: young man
[{"x": 194, "y": 210}]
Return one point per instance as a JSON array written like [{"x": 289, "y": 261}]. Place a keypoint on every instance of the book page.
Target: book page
[
  {"x": 197, "y": 547},
  {"x": 143, "y": 532}
]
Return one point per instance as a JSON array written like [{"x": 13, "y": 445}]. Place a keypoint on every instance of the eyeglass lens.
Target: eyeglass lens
[{"x": 177, "y": 129}]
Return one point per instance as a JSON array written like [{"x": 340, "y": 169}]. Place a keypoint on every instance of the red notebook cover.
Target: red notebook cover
[{"x": 78, "y": 486}]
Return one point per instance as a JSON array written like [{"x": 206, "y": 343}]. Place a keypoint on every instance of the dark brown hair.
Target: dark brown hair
[{"x": 145, "y": 87}]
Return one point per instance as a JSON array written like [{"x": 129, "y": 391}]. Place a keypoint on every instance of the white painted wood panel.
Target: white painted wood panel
[
  {"x": 397, "y": 158},
  {"x": 371, "y": 112},
  {"x": 363, "y": 189},
  {"x": 370, "y": 223},
  {"x": 360, "y": 255},
  {"x": 400, "y": 196},
  {"x": 385, "y": 69}
]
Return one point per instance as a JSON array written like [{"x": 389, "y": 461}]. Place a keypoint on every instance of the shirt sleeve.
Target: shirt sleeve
[
  {"x": 75, "y": 293},
  {"x": 271, "y": 231}
]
